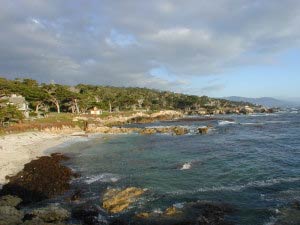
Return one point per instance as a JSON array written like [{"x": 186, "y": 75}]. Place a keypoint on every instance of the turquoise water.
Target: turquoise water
[{"x": 252, "y": 164}]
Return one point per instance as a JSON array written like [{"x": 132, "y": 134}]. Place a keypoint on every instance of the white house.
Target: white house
[
  {"x": 95, "y": 111},
  {"x": 18, "y": 101}
]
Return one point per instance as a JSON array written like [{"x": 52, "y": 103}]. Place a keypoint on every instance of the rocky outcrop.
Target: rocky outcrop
[
  {"x": 40, "y": 179},
  {"x": 176, "y": 130},
  {"x": 93, "y": 128},
  {"x": 116, "y": 201}
]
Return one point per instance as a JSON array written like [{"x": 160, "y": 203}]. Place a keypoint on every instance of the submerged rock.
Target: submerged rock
[
  {"x": 51, "y": 214},
  {"x": 289, "y": 215},
  {"x": 115, "y": 200},
  {"x": 40, "y": 179},
  {"x": 9, "y": 200},
  {"x": 10, "y": 216}
]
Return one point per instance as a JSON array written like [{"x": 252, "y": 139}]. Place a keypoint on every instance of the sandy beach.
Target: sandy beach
[{"x": 19, "y": 149}]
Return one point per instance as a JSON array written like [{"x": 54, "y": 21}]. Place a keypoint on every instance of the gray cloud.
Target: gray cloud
[{"x": 119, "y": 42}]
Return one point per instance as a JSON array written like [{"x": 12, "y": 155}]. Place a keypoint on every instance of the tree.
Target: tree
[{"x": 10, "y": 113}]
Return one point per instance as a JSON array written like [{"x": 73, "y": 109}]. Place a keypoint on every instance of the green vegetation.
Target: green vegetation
[
  {"x": 9, "y": 114},
  {"x": 80, "y": 98}
]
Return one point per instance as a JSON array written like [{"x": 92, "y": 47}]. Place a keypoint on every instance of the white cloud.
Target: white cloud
[{"x": 119, "y": 42}]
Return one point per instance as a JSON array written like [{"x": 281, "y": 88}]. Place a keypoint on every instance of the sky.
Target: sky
[{"x": 216, "y": 48}]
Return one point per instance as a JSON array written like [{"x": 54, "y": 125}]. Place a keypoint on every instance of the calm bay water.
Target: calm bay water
[{"x": 252, "y": 164}]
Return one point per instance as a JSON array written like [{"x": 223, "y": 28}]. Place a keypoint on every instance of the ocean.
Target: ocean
[{"x": 250, "y": 162}]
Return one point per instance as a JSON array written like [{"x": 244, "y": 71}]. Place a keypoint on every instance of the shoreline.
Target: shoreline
[{"x": 18, "y": 149}]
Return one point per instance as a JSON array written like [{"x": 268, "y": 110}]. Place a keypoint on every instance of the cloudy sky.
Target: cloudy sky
[{"x": 216, "y": 47}]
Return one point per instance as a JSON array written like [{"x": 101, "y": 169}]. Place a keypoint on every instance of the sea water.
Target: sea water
[{"x": 251, "y": 162}]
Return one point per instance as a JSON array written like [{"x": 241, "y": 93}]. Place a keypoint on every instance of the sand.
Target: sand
[{"x": 19, "y": 149}]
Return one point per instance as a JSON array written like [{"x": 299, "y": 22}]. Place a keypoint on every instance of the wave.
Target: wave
[
  {"x": 225, "y": 122},
  {"x": 264, "y": 183},
  {"x": 104, "y": 178},
  {"x": 252, "y": 123},
  {"x": 278, "y": 121},
  {"x": 186, "y": 166}
]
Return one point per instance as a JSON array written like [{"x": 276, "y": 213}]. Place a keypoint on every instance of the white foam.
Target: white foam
[
  {"x": 186, "y": 166},
  {"x": 264, "y": 183},
  {"x": 225, "y": 122},
  {"x": 104, "y": 178},
  {"x": 252, "y": 123}
]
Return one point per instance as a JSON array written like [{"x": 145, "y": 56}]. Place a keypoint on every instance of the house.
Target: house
[
  {"x": 95, "y": 111},
  {"x": 18, "y": 101}
]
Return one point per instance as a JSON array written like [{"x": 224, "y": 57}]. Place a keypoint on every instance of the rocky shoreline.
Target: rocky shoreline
[{"x": 45, "y": 178}]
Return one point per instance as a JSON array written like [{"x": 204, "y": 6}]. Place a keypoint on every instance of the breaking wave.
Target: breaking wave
[{"x": 104, "y": 178}]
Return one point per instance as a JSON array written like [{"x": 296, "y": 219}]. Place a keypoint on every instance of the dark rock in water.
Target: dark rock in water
[
  {"x": 10, "y": 216},
  {"x": 194, "y": 213},
  {"x": 203, "y": 130},
  {"x": 296, "y": 205},
  {"x": 289, "y": 215},
  {"x": 40, "y": 179},
  {"x": 88, "y": 214},
  {"x": 212, "y": 214},
  {"x": 76, "y": 196},
  {"x": 9, "y": 200}
]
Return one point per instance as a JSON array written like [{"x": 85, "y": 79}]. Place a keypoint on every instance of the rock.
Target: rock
[
  {"x": 212, "y": 213},
  {"x": 9, "y": 200},
  {"x": 88, "y": 214},
  {"x": 10, "y": 216},
  {"x": 180, "y": 130},
  {"x": 51, "y": 214},
  {"x": 115, "y": 200},
  {"x": 203, "y": 130},
  {"x": 38, "y": 221},
  {"x": 143, "y": 215},
  {"x": 40, "y": 179},
  {"x": 177, "y": 130},
  {"x": 171, "y": 211},
  {"x": 148, "y": 131}
]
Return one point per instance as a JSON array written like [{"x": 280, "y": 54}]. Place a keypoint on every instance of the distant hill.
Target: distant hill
[{"x": 265, "y": 101}]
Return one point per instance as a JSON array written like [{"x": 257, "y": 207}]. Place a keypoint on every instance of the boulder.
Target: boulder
[
  {"x": 115, "y": 200},
  {"x": 51, "y": 214},
  {"x": 172, "y": 211},
  {"x": 10, "y": 216},
  {"x": 203, "y": 130},
  {"x": 9, "y": 200},
  {"x": 180, "y": 130}
]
